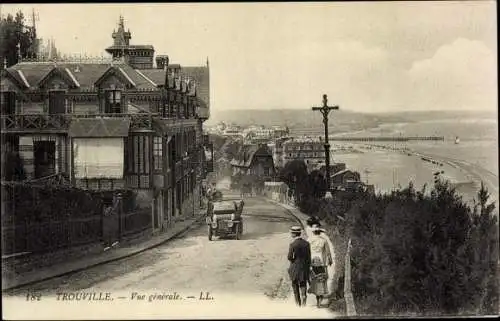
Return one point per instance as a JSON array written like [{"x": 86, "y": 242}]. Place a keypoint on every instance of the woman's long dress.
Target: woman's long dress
[{"x": 320, "y": 258}]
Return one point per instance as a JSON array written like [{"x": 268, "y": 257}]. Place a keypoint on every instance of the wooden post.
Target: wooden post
[{"x": 348, "y": 297}]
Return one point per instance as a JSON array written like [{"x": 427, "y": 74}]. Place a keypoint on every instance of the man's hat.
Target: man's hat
[
  {"x": 315, "y": 228},
  {"x": 295, "y": 229}
]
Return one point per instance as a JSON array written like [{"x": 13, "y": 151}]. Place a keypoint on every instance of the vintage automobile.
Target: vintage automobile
[{"x": 224, "y": 219}]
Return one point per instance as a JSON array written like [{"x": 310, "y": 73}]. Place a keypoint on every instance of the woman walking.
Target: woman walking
[{"x": 321, "y": 258}]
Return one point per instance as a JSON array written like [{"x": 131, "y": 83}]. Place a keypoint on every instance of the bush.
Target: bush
[{"x": 429, "y": 255}]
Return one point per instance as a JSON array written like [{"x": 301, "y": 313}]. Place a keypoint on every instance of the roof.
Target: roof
[
  {"x": 301, "y": 140},
  {"x": 99, "y": 127},
  {"x": 158, "y": 76},
  {"x": 85, "y": 74},
  {"x": 342, "y": 172},
  {"x": 247, "y": 152}
]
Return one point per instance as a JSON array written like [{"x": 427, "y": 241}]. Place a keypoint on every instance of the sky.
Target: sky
[{"x": 367, "y": 57}]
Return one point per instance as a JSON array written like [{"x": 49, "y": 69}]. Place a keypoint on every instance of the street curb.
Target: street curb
[
  {"x": 105, "y": 261},
  {"x": 301, "y": 224}
]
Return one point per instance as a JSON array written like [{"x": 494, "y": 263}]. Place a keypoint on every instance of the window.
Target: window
[
  {"x": 8, "y": 102},
  {"x": 57, "y": 102},
  {"x": 113, "y": 102},
  {"x": 158, "y": 153}
]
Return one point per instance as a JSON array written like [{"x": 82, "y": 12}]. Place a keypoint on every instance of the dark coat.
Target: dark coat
[{"x": 299, "y": 255}]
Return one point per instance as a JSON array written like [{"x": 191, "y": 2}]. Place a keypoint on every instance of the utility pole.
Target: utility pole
[{"x": 325, "y": 110}]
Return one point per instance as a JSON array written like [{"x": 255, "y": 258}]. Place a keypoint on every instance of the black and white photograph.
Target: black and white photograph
[{"x": 249, "y": 160}]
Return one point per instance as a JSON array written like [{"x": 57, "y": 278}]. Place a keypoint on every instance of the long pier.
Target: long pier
[{"x": 386, "y": 138}]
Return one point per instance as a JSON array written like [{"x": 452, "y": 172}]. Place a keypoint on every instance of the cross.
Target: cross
[{"x": 325, "y": 110}]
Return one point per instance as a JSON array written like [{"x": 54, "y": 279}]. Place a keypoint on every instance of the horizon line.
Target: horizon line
[{"x": 358, "y": 111}]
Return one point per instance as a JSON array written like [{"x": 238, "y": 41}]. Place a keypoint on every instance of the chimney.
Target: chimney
[{"x": 161, "y": 61}]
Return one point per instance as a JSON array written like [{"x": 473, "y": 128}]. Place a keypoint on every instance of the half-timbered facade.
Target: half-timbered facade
[{"x": 111, "y": 125}]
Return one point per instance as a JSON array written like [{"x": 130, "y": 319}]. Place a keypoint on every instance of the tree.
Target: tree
[
  {"x": 317, "y": 184},
  {"x": 13, "y": 31},
  {"x": 294, "y": 175}
]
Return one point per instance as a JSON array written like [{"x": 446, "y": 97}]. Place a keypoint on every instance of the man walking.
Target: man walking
[{"x": 299, "y": 255}]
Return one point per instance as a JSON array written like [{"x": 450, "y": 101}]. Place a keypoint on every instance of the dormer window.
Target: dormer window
[{"x": 113, "y": 102}]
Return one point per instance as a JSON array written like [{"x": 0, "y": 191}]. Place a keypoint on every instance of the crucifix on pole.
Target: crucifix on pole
[{"x": 325, "y": 110}]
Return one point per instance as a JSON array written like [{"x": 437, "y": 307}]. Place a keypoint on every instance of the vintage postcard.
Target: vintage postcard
[{"x": 249, "y": 160}]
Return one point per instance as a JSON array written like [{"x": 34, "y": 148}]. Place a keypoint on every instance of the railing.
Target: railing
[
  {"x": 61, "y": 122},
  {"x": 348, "y": 297},
  {"x": 35, "y": 122},
  {"x": 137, "y": 121},
  {"x": 55, "y": 179}
]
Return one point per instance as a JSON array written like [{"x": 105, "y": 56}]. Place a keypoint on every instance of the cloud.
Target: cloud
[{"x": 460, "y": 75}]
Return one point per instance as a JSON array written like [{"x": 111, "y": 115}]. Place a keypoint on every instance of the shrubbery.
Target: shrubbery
[
  {"x": 424, "y": 254},
  {"x": 413, "y": 252}
]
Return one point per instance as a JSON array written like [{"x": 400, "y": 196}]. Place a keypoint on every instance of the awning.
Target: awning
[
  {"x": 99, "y": 127},
  {"x": 99, "y": 157}
]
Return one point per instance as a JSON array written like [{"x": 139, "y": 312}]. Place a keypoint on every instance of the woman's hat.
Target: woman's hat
[{"x": 315, "y": 228}]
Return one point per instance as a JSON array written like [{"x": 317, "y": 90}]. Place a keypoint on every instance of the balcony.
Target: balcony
[
  {"x": 39, "y": 123},
  {"x": 35, "y": 123},
  {"x": 138, "y": 122}
]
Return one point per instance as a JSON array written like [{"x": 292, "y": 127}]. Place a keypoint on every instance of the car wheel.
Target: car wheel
[{"x": 210, "y": 233}]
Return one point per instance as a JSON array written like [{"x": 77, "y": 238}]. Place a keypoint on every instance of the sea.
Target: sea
[
  {"x": 389, "y": 165},
  {"x": 478, "y": 139}
]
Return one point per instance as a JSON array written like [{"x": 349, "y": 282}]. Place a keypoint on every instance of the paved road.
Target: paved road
[{"x": 237, "y": 274}]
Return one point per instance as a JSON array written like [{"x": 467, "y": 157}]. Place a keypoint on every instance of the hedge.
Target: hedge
[{"x": 416, "y": 252}]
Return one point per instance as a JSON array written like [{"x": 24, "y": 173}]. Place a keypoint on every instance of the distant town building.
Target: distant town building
[
  {"x": 254, "y": 160},
  {"x": 277, "y": 150},
  {"x": 345, "y": 179},
  {"x": 334, "y": 168},
  {"x": 232, "y": 131},
  {"x": 280, "y": 131},
  {"x": 258, "y": 134},
  {"x": 221, "y": 126},
  {"x": 311, "y": 150}
]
